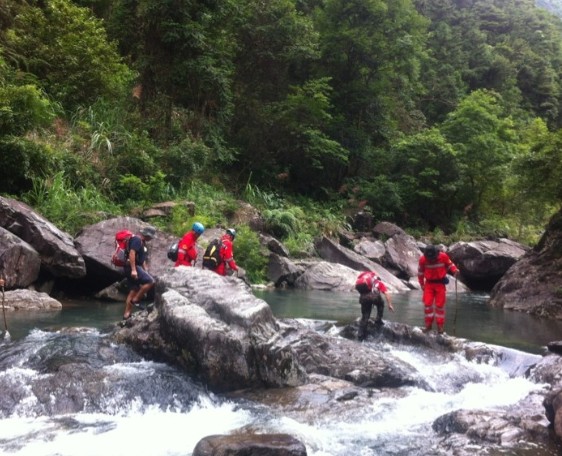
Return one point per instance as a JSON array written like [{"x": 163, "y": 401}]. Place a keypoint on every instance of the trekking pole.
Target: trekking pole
[
  {"x": 6, "y": 334},
  {"x": 456, "y": 308}
]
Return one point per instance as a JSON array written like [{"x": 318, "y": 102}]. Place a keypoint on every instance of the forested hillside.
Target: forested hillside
[
  {"x": 443, "y": 116},
  {"x": 554, "y": 6}
]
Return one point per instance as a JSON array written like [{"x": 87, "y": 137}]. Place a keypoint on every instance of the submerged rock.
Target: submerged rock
[{"x": 250, "y": 444}]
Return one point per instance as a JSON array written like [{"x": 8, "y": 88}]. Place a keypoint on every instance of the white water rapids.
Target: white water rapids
[{"x": 142, "y": 408}]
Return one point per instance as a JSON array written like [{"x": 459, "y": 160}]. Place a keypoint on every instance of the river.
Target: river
[{"x": 146, "y": 408}]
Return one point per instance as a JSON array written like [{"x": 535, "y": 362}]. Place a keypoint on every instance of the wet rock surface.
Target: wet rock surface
[{"x": 313, "y": 369}]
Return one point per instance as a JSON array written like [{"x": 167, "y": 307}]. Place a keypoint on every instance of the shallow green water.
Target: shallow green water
[{"x": 468, "y": 315}]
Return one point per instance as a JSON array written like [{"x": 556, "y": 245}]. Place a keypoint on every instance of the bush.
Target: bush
[
  {"x": 22, "y": 162},
  {"x": 248, "y": 254}
]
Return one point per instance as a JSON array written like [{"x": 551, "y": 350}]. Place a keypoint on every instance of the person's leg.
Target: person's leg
[
  {"x": 428, "y": 298},
  {"x": 146, "y": 283},
  {"x": 366, "y": 308},
  {"x": 440, "y": 300},
  {"x": 142, "y": 291},
  {"x": 133, "y": 286},
  {"x": 380, "y": 311}
]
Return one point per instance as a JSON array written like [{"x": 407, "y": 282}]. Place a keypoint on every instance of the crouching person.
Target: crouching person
[{"x": 371, "y": 289}]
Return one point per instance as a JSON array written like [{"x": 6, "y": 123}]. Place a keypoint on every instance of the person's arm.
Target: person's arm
[
  {"x": 229, "y": 256},
  {"x": 421, "y": 272},
  {"x": 133, "y": 262},
  {"x": 451, "y": 267},
  {"x": 192, "y": 255},
  {"x": 389, "y": 301}
]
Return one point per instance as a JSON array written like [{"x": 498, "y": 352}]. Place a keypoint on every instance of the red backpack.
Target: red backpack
[
  {"x": 365, "y": 282},
  {"x": 119, "y": 257}
]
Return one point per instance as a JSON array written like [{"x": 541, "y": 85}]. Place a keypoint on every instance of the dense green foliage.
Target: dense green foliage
[{"x": 440, "y": 115}]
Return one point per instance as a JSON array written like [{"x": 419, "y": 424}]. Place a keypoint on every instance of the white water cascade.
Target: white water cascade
[{"x": 132, "y": 406}]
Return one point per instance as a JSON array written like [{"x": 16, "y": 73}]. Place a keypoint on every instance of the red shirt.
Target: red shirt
[
  {"x": 187, "y": 251},
  {"x": 435, "y": 270},
  {"x": 227, "y": 256}
]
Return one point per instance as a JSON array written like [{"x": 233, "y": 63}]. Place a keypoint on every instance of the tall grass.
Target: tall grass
[{"x": 66, "y": 207}]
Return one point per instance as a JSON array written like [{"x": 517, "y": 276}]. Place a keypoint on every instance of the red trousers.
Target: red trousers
[{"x": 434, "y": 298}]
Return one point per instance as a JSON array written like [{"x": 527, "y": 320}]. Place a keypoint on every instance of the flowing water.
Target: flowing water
[{"x": 113, "y": 402}]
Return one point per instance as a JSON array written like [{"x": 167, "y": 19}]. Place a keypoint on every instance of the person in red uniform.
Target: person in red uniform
[
  {"x": 187, "y": 249},
  {"x": 433, "y": 267},
  {"x": 370, "y": 288},
  {"x": 227, "y": 253}
]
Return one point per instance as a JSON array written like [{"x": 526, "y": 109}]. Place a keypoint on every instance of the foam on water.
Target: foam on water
[{"x": 153, "y": 432}]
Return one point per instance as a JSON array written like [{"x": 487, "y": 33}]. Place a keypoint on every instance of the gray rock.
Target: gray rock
[
  {"x": 283, "y": 271},
  {"x": 19, "y": 262},
  {"x": 250, "y": 444},
  {"x": 327, "y": 276},
  {"x": 372, "y": 249},
  {"x": 55, "y": 247},
  {"x": 483, "y": 263},
  {"x": 533, "y": 283},
  {"x": 96, "y": 243},
  {"x": 24, "y": 300},
  {"x": 335, "y": 253},
  {"x": 402, "y": 255},
  {"x": 225, "y": 331}
]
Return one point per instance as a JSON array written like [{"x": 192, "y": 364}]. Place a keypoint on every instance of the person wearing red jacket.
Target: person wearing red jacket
[
  {"x": 370, "y": 288},
  {"x": 227, "y": 253},
  {"x": 187, "y": 249},
  {"x": 433, "y": 267}
]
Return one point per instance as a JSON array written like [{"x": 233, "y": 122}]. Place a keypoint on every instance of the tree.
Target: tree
[
  {"x": 281, "y": 113},
  {"x": 67, "y": 50},
  {"x": 183, "y": 52},
  {"x": 485, "y": 141},
  {"x": 426, "y": 170},
  {"x": 374, "y": 72}
]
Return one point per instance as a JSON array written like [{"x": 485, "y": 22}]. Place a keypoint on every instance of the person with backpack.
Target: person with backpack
[
  {"x": 220, "y": 254},
  {"x": 371, "y": 289},
  {"x": 433, "y": 267},
  {"x": 139, "y": 280},
  {"x": 187, "y": 248}
]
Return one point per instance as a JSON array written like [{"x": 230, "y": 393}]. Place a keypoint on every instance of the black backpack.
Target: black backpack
[
  {"x": 173, "y": 251},
  {"x": 212, "y": 255}
]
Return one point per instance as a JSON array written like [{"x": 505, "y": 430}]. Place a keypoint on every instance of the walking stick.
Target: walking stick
[
  {"x": 456, "y": 308},
  {"x": 6, "y": 334}
]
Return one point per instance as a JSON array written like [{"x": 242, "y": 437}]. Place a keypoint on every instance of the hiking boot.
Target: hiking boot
[
  {"x": 427, "y": 329},
  {"x": 440, "y": 330},
  {"x": 379, "y": 322}
]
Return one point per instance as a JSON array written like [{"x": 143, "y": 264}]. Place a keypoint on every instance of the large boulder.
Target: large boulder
[
  {"x": 19, "y": 262},
  {"x": 56, "y": 248},
  {"x": 335, "y": 253},
  {"x": 328, "y": 277},
  {"x": 282, "y": 271},
  {"x": 374, "y": 250},
  {"x": 483, "y": 263},
  {"x": 348, "y": 360},
  {"x": 533, "y": 283},
  {"x": 96, "y": 243},
  {"x": 402, "y": 256},
  {"x": 228, "y": 336},
  {"x": 23, "y": 300}
]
